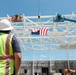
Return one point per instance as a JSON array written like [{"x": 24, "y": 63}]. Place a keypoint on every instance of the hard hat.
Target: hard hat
[
  {"x": 20, "y": 16},
  {"x": 5, "y": 25}
]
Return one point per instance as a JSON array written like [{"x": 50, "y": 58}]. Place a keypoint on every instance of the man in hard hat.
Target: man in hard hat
[
  {"x": 10, "y": 51},
  {"x": 15, "y": 18}
]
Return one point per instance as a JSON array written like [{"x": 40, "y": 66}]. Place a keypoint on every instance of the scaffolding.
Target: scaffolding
[{"x": 61, "y": 35}]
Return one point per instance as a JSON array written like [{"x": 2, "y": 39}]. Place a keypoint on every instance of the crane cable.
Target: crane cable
[
  {"x": 39, "y": 19},
  {"x": 38, "y": 9}
]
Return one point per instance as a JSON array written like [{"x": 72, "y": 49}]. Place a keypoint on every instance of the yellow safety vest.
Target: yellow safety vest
[{"x": 6, "y": 54}]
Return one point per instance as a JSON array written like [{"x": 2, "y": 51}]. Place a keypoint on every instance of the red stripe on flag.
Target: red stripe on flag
[{"x": 43, "y": 31}]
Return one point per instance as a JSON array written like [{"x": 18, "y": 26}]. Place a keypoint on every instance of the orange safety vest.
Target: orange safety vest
[{"x": 6, "y": 54}]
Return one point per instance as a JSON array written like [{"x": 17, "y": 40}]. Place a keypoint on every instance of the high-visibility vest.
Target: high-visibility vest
[{"x": 6, "y": 54}]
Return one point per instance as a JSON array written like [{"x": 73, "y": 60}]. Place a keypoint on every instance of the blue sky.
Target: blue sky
[
  {"x": 32, "y": 8},
  {"x": 46, "y": 55}
]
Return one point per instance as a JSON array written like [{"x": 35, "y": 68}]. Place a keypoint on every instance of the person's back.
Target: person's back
[
  {"x": 6, "y": 55},
  {"x": 10, "y": 52}
]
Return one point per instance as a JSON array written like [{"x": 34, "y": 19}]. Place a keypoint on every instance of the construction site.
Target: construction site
[{"x": 51, "y": 32}]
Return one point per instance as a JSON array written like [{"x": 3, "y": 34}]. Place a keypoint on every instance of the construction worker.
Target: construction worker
[
  {"x": 69, "y": 71},
  {"x": 15, "y": 18},
  {"x": 10, "y": 51}
]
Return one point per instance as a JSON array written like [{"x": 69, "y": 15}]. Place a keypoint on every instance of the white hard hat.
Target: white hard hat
[{"x": 5, "y": 25}]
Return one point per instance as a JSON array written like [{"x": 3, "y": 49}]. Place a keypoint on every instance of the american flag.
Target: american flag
[{"x": 40, "y": 31}]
